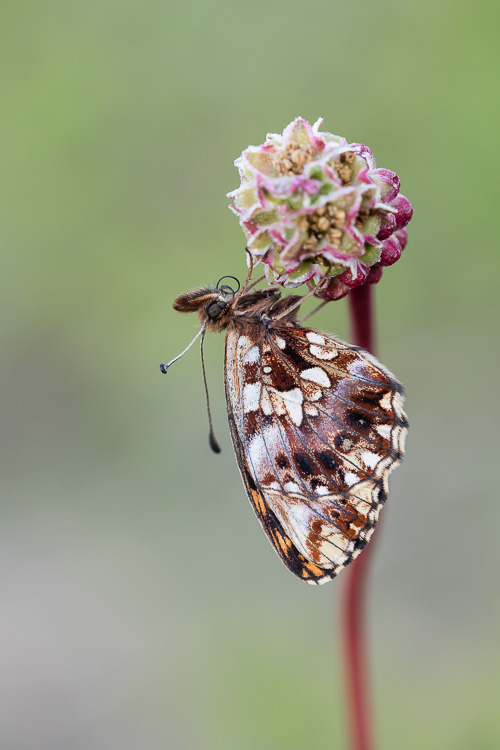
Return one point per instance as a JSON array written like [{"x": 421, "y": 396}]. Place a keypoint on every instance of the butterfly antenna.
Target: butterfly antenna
[
  {"x": 211, "y": 435},
  {"x": 165, "y": 365}
]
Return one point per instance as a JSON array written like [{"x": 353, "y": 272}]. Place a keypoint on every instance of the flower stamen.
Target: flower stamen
[{"x": 293, "y": 158}]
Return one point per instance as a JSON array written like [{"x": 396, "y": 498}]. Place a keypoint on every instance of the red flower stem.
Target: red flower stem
[
  {"x": 354, "y": 635},
  {"x": 362, "y": 316}
]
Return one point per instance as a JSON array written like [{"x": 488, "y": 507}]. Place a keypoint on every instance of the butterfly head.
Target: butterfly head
[
  {"x": 212, "y": 303},
  {"x": 217, "y": 306}
]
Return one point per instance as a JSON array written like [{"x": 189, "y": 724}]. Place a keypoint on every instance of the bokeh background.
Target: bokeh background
[{"x": 141, "y": 604}]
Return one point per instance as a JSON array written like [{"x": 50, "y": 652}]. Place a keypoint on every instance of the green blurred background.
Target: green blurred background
[{"x": 141, "y": 604}]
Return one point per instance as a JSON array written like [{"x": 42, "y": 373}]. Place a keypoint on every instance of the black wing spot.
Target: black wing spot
[
  {"x": 357, "y": 419},
  {"x": 282, "y": 461},
  {"x": 304, "y": 464},
  {"x": 296, "y": 358},
  {"x": 328, "y": 460},
  {"x": 371, "y": 399},
  {"x": 344, "y": 442}
]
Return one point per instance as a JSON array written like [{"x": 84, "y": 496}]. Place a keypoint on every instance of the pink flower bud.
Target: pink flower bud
[
  {"x": 374, "y": 274},
  {"x": 404, "y": 211},
  {"x": 391, "y": 251},
  {"x": 387, "y": 226},
  {"x": 402, "y": 236},
  {"x": 352, "y": 279},
  {"x": 335, "y": 289},
  {"x": 388, "y": 182}
]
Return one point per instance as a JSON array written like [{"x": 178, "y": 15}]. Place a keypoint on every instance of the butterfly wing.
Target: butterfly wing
[{"x": 317, "y": 426}]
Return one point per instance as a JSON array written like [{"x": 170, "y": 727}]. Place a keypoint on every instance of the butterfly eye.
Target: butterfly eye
[{"x": 214, "y": 310}]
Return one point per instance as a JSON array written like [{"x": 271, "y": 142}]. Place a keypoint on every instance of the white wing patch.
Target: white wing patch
[
  {"x": 316, "y": 375},
  {"x": 321, "y": 353},
  {"x": 253, "y": 355},
  {"x": 315, "y": 338},
  {"x": 251, "y": 397},
  {"x": 351, "y": 478},
  {"x": 384, "y": 430}
]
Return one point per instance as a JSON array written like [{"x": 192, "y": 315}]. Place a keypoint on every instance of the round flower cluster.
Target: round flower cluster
[{"x": 315, "y": 209}]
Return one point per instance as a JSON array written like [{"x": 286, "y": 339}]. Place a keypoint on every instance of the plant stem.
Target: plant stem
[
  {"x": 362, "y": 316},
  {"x": 354, "y": 635}
]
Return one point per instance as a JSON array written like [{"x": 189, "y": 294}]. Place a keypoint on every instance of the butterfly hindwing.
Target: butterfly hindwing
[
  {"x": 317, "y": 425},
  {"x": 283, "y": 545}
]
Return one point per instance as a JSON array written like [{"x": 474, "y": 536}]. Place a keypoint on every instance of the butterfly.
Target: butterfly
[{"x": 317, "y": 426}]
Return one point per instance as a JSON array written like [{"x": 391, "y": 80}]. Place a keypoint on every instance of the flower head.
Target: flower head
[{"x": 317, "y": 210}]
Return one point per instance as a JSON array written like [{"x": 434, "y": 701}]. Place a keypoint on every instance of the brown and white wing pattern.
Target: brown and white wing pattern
[{"x": 317, "y": 427}]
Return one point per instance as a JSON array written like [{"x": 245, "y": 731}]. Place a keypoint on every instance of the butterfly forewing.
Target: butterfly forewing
[{"x": 317, "y": 426}]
